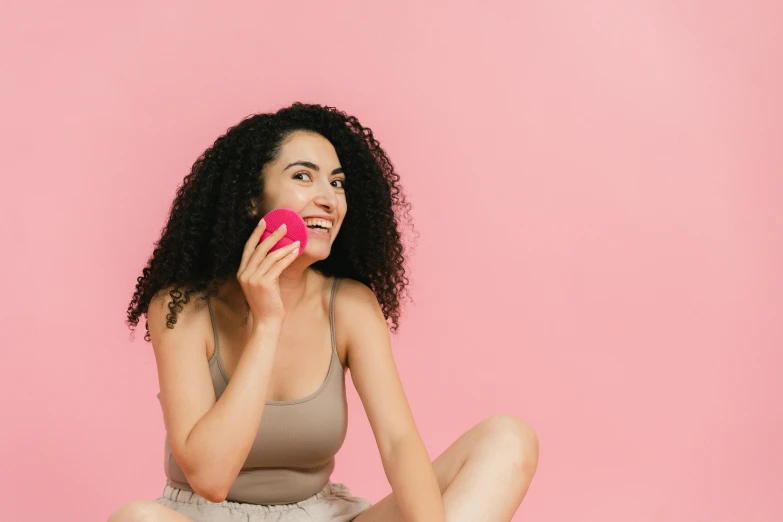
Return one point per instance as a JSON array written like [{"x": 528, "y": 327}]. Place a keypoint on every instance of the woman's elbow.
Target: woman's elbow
[{"x": 208, "y": 487}]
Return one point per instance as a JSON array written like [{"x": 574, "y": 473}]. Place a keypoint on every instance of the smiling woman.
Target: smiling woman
[{"x": 252, "y": 385}]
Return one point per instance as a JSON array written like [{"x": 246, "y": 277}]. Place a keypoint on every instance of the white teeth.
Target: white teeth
[{"x": 318, "y": 222}]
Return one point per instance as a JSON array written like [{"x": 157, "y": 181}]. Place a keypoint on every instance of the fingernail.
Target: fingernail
[
  {"x": 296, "y": 243},
  {"x": 282, "y": 227},
  {"x": 261, "y": 222}
]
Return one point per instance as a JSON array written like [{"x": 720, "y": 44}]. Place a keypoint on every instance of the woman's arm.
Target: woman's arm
[
  {"x": 209, "y": 439},
  {"x": 405, "y": 460}
]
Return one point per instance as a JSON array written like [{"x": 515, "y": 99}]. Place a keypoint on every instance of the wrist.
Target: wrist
[{"x": 266, "y": 327}]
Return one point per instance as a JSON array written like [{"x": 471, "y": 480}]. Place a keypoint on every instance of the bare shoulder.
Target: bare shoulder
[
  {"x": 191, "y": 321},
  {"x": 190, "y": 313},
  {"x": 358, "y": 315},
  {"x": 356, "y": 292}
]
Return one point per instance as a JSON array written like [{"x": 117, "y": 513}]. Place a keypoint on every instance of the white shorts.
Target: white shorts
[{"x": 334, "y": 503}]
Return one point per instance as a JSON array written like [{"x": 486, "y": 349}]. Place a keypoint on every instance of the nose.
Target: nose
[{"x": 325, "y": 197}]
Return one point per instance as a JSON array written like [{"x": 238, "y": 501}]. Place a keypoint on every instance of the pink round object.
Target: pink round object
[{"x": 296, "y": 230}]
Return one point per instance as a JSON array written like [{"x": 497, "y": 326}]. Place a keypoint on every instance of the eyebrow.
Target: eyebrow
[{"x": 313, "y": 166}]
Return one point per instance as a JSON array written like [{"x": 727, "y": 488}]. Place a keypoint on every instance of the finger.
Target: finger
[
  {"x": 258, "y": 250},
  {"x": 251, "y": 244},
  {"x": 282, "y": 264},
  {"x": 269, "y": 261},
  {"x": 263, "y": 248},
  {"x": 273, "y": 238}
]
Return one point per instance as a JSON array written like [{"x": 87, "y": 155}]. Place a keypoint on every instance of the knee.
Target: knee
[
  {"x": 514, "y": 439},
  {"x": 137, "y": 511}
]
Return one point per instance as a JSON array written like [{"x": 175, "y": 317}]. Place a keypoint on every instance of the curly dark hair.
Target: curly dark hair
[{"x": 211, "y": 216}]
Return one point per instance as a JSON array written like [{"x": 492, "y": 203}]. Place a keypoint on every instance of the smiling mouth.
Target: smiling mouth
[{"x": 318, "y": 231}]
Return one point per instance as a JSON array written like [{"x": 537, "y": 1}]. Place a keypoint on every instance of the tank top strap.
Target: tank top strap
[
  {"x": 331, "y": 320},
  {"x": 331, "y": 314},
  {"x": 214, "y": 329}
]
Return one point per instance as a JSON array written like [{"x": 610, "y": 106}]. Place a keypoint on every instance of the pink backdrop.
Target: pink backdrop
[{"x": 598, "y": 192}]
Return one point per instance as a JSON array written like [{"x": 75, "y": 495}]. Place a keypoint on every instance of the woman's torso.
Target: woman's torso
[
  {"x": 303, "y": 349},
  {"x": 305, "y": 417}
]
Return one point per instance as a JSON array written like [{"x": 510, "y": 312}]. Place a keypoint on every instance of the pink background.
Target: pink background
[{"x": 598, "y": 192}]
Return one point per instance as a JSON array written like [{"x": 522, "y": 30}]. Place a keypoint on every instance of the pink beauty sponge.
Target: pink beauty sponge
[{"x": 296, "y": 230}]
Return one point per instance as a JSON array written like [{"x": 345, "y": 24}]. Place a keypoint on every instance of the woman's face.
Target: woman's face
[{"x": 307, "y": 178}]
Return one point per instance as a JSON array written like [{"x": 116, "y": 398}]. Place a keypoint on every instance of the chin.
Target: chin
[{"x": 316, "y": 255}]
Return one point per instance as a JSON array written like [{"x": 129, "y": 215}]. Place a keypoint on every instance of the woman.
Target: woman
[{"x": 252, "y": 378}]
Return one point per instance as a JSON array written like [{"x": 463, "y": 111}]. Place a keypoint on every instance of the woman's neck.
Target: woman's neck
[{"x": 294, "y": 289}]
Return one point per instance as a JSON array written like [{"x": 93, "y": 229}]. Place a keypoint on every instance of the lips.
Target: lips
[
  {"x": 316, "y": 232},
  {"x": 325, "y": 218}
]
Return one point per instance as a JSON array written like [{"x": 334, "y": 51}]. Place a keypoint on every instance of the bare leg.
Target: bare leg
[
  {"x": 146, "y": 511},
  {"x": 483, "y": 476}
]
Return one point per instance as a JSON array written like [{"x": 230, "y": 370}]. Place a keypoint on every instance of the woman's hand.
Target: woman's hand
[{"x": 259, "y": 272}]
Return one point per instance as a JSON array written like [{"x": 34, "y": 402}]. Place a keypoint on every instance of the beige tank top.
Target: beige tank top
[{"x": 292, "y": 456}]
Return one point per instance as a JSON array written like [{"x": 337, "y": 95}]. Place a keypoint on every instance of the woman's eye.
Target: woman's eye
[
  {"x": 341, "y": 182},
  {"x": 301, "y": 173}
]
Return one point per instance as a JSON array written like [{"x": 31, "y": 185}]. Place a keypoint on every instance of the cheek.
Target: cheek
[{"x": 288, "y": 196}]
